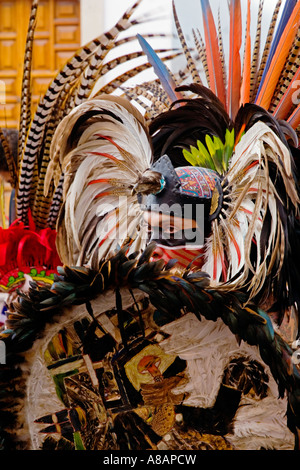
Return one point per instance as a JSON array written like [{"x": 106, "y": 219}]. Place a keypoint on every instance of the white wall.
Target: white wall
[
  {"x": 98, "y": 16},
  {"x": 92, "y": 19}
]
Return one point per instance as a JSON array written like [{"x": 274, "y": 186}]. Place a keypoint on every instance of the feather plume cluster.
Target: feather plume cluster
[
  {"x": 103, "y": 149},
  {"x": 252, "y": 213},
  {"x": 245, "y": 80},
  {"x": 72, "y": 86},
  {"x": 87, "y": 156}
]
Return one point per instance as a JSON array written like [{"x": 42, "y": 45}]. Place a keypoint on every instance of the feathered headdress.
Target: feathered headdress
[{"x": 103, "y": 150}]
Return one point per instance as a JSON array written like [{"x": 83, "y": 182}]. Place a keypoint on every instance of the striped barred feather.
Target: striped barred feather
[
  {"x": 13, "y": 173},
  {"x": 25, "y": 109},
  {"x": 159, "y": 104},
  {"x": 149, "y": 110},
  {"x": 268, "y": 44},
  {"x": 158, "y": 94},
  {"x": 120, "y": 80},
  {"x": 288, "y": 74},
  {"x": 190, "y": 61},
  {"x": 56, "y": 203},
  {"x": 203, "y": 58},
  {"x": 283, "y": 40},
  {"x": 47, "y": 104},
  {"x": 256, "y": 53},
  {"x": 200, "y": 51},
  {"x": 214, "y": 61},
  {"x": 72, "y": 86},
  {"x": 75, "y": 83},
  {"x": 127, "y": 39},
  {"x": 221, "y": 47}
]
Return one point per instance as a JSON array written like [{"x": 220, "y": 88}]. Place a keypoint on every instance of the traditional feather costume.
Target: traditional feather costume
[{"x": 125, "y": 352}]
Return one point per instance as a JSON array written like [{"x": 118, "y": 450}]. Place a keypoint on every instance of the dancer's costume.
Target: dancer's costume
[{"x": 124, "y": 352}]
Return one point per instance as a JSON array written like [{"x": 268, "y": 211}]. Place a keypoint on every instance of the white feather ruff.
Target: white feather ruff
[{"x": 250, "y": 194}]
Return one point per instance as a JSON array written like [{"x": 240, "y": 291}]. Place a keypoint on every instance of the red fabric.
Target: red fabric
[{"x": 23, "y": 246}]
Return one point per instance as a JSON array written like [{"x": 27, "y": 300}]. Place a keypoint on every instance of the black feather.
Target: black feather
[{"x": 178, "y": 129}]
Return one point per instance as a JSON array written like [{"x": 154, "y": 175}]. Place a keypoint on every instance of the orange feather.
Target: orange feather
[
  {"x": 214, "y": 62},
  {"x": 239, "y": 136},
  {"x": 255, "y": 163},
  {"x": 294, "y": 119},
  {"x": 101, "y": 180},
  {"x": 234, "y": 76},
  {"x": 245, "y": 89},
  {"x": 103, "y": 194},
  {"x": 269, "y": 85},
  {"x": 237, "y": 248},
  {"x": 110, "y": 140}
]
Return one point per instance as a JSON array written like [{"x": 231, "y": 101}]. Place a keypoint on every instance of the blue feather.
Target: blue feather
[
  {"x": 204, "y": 5},
  {"x": 287, "y": 11},
  {"x": 160, "y": 69}
]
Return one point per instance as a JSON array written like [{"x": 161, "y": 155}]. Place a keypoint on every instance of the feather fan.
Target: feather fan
[
  {"x": 80, "y": 72},
  {"x": 102, "y": 147}
]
